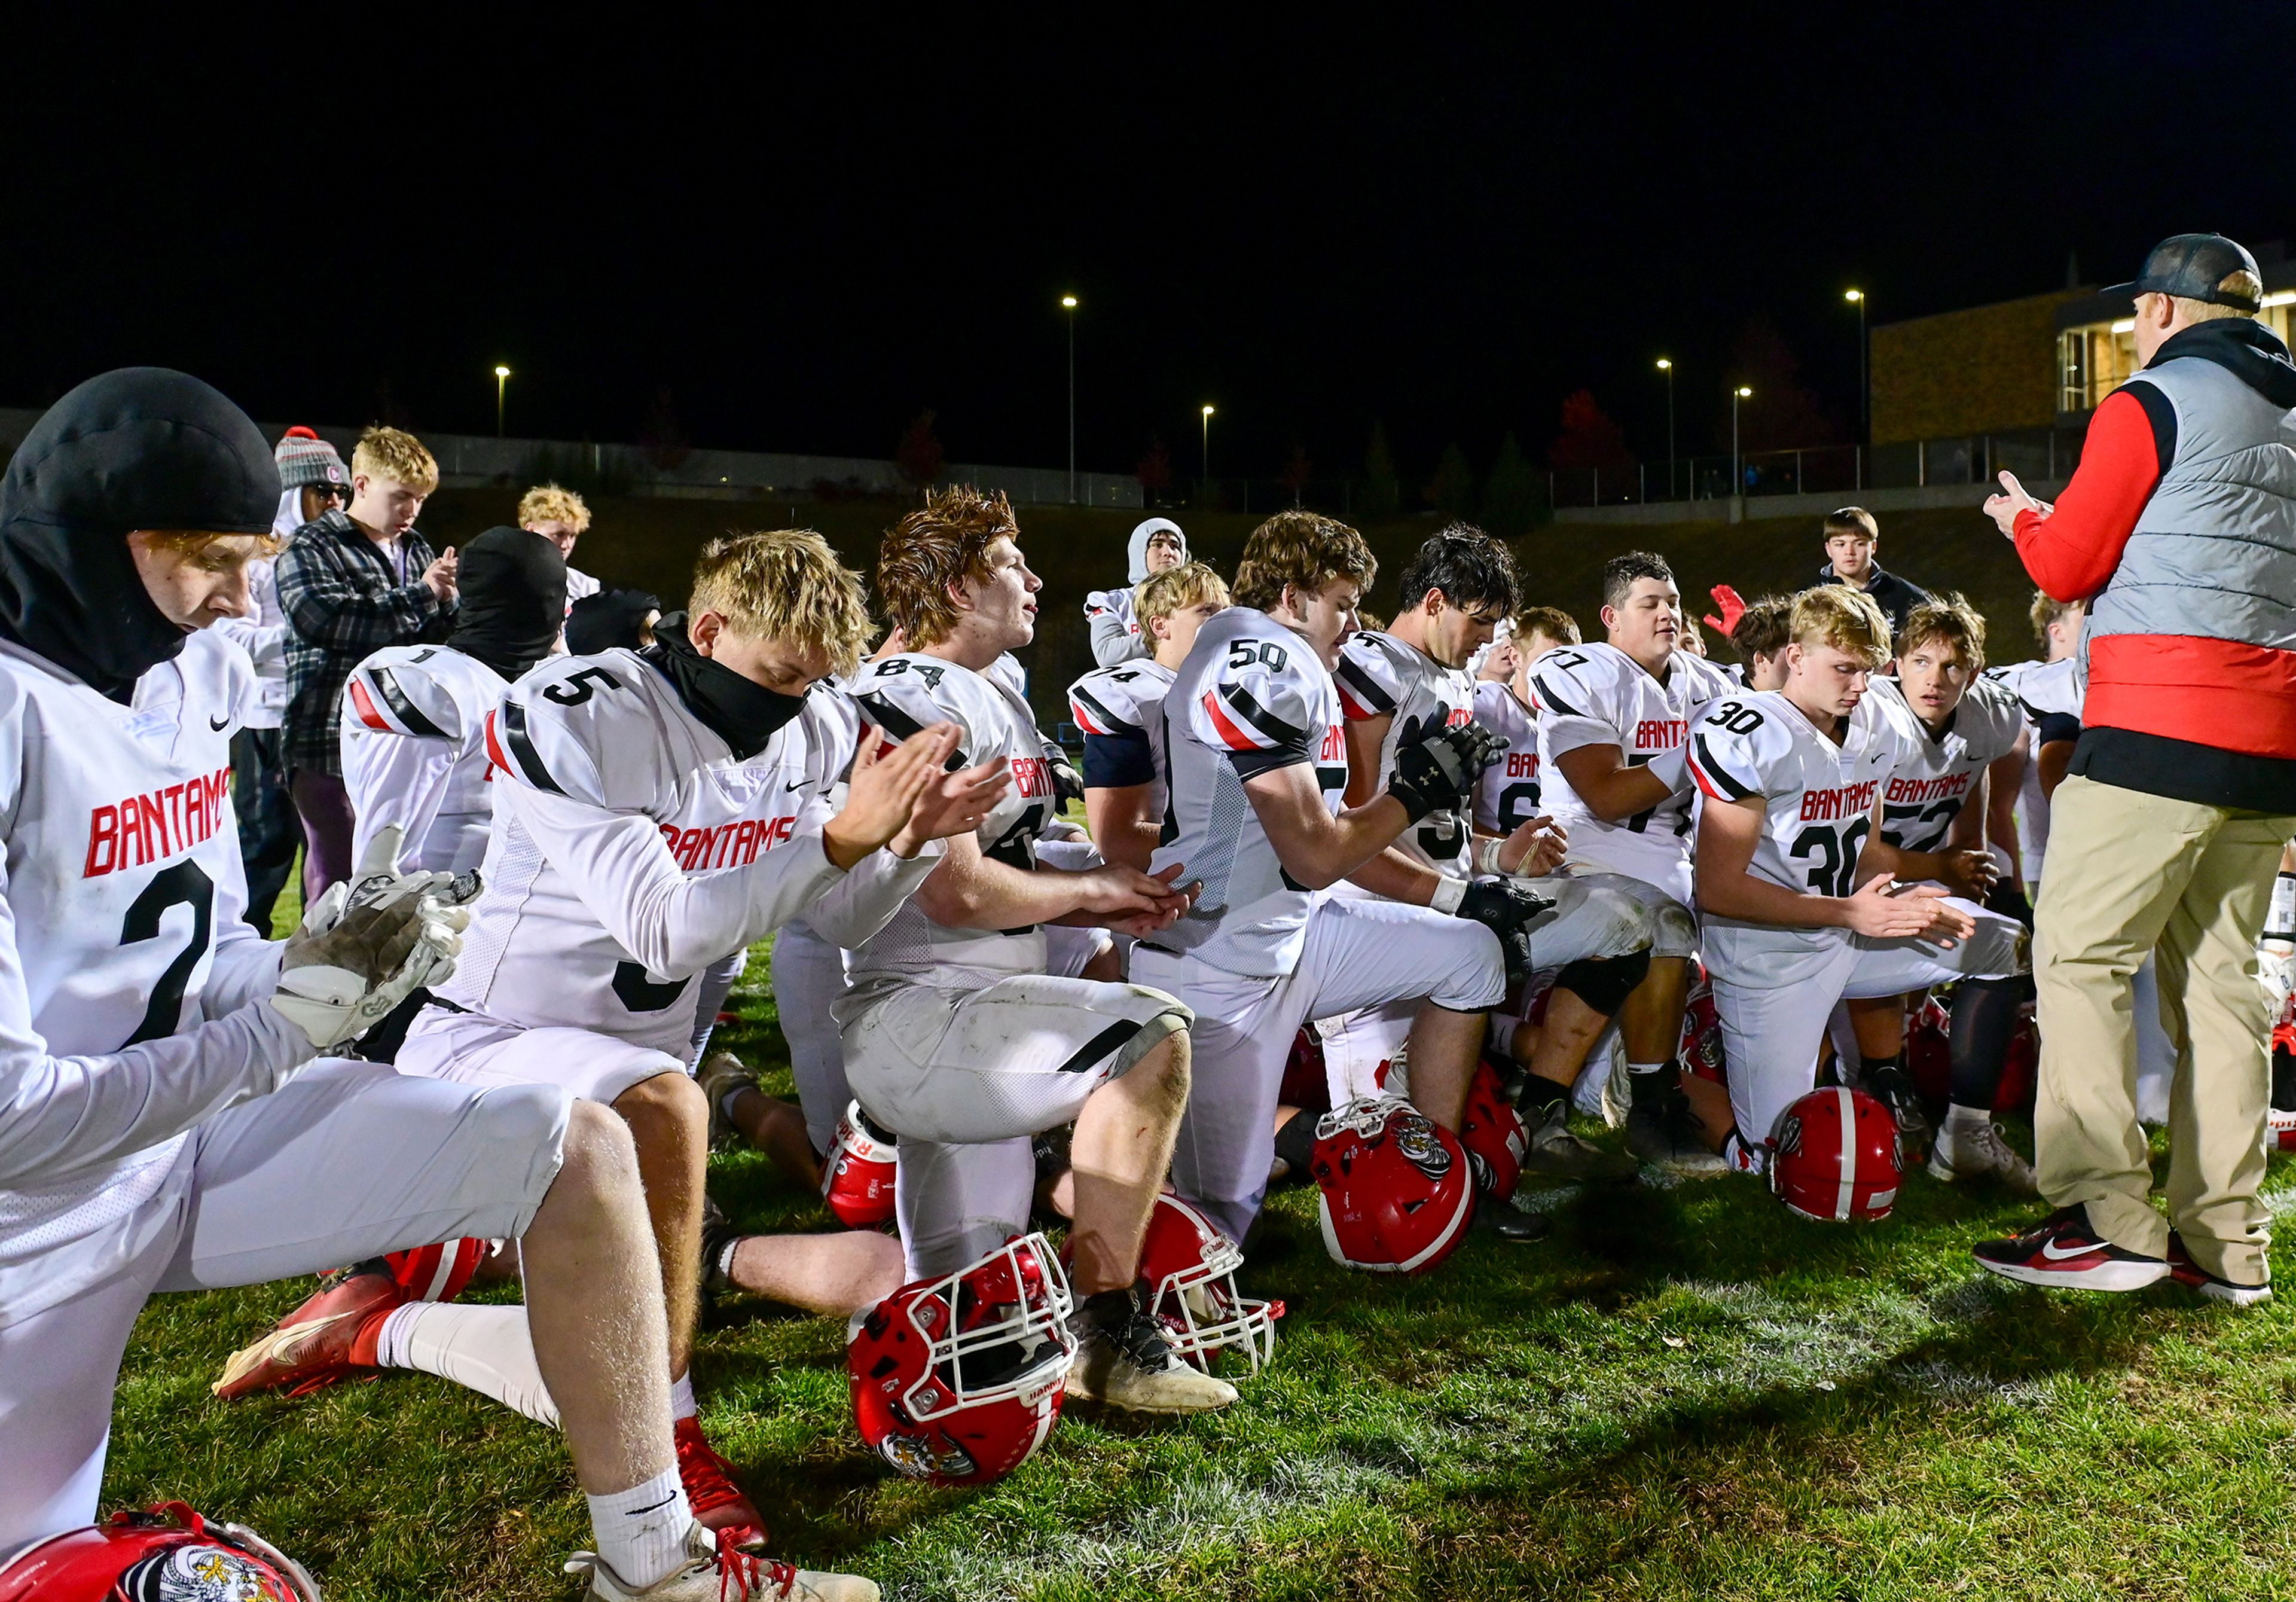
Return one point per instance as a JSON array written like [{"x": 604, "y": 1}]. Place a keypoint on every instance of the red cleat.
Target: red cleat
[
  {"x": 718, "y": 1504},
  {"x": 332, "y": 1336}
]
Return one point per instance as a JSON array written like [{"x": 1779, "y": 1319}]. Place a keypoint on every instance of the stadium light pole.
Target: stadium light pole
[
  {"x": 502, "y": 378},
  {"x": 1068, "y": 305},
  {"x": 1856, "y": 298},
  {"x": 1737, "y": 462},
  {"x": 1666, "y": 367},
  {"x": 1207, "y": 450}
]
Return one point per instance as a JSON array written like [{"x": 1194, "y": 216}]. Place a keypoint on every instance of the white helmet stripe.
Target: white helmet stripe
[{"x": 1846, "y": 1159}]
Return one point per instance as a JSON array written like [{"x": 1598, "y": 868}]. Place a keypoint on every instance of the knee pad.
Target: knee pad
[
  {"x": 1604, "y": 982},
  {"x": 1674, "y": 931}
]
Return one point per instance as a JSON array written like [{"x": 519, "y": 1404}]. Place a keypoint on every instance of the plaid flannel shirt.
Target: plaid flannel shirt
[{"x": 343, "y": 604}]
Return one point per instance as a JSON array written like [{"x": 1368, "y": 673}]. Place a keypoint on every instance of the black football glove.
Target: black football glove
[
  {"x": 1436, "y": 770},
  {"x": 1067, "y": 783},
  {"x": 1507, "y": 908}
]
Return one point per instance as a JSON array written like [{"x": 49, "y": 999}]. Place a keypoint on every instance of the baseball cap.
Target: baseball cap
[{"x": 2190, "y": 266}]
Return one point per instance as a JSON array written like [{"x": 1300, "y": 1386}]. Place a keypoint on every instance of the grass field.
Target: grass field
[{"x": 1683, "y": 1393}]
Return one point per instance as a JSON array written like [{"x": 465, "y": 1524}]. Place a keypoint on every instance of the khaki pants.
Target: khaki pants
[{"x": 2131, "y": 874}]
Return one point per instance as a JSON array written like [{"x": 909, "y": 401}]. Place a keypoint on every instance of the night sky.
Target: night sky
[{"x": 803, "y": 234}]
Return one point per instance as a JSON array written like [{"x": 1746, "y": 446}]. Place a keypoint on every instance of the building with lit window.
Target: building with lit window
[{"x": 2097, "y": 340}]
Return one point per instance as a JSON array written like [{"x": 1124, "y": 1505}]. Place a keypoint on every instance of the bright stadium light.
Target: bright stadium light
[
  {"x": 502, "y": 377},
  {"x": 1744, "y": 393},
  {"x": 1666, "y": 366},
  {"x": 1068, "y": 305},
  {"x": 1853, "y": 295},
  {"x": 1737, "y": 461},
  {"x": 1208, "y": 447},
  {"x": 1856, "y": 298},
  {"x": 1068, "y": 301}
]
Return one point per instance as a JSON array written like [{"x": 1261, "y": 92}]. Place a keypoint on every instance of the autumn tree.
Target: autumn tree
[
  {"x": 1154, "y": 470},
  {"x": 1782, "y": 414},
  {"x": 1590, "y": 438}
]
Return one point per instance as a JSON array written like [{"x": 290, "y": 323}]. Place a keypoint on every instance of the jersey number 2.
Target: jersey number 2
[{"x": 184, "y": 884}]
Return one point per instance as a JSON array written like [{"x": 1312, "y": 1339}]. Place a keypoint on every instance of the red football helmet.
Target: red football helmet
[
  {"x": 957, "y": 1381},
  {"x": 1493, "y": 1134},
  {"x": 1701, "y": 1049},
  {"x": 857, "y": 1177},
  {"x": 1305, "y": 1084},
  {"x": 1833, "y": 1155},
  {"x": 163, "y": 1554},
  {"x": 1398, "y": 1191},
  {"x": 1187, "y": 1283},
  {"x": 1929, "y": 1050}
]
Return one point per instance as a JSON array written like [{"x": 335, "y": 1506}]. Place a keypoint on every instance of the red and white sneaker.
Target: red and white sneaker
[
  {"x": 332, "y": 1336},
  {"x": 720, "y": 1505},
  {"x": 712, "y": 1573},
  {"x": 2065, "y": 1252},
  {"x": 2185, "y": 1271}
]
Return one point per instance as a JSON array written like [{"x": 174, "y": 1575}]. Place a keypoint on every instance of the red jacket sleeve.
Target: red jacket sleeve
[{"x": 2072, "y": 552}]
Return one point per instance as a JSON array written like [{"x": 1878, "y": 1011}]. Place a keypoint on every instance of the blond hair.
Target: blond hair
[
  {"x": 1848, "y": 619},
  {"x": 1949, "y": 617},
  {"x": 1305, "y": 550},
  {"x": 1552, "y": 621},
  {"x": 1191, "y": 584},
  {"x": 2045, "y": 610},
  {"x": 785, "y": 584},
  {"x": 935, "y": 549},
  {"x": 390, "y": 453},
  {"x": 549, "y": 504}
]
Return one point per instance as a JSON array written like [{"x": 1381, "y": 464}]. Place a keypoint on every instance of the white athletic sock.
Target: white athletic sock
[
  {"x": 1958, "y": 1117},
  {"x": 486, "y": 1349},
  {"x": 724, "y": 1264},
  {"x": 641, "y": 1531},
  {"x": 681, "y": 1404},
  {"x": 1645, "y": 1067},
  {"x": 1501, "y": 1033}
]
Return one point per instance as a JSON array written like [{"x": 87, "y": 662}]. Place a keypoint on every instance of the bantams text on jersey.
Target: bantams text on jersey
[
  {"x": 1941, "y": 771},
  {"x": 1251, "y": 697},
  {"x": 1506, "y": 797},
  {"x": 632, "y": 849},
  {"x": 1818, "y": 799},
  {"x": 1597, "y": 695}
]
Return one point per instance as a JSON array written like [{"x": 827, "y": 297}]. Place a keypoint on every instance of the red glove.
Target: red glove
[{"x": 1733, "y": 608}]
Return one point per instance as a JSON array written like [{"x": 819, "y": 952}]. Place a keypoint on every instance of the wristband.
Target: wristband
[
  {"x": 1448, "y": 893},
  {"x": 1486, "y": 855}
]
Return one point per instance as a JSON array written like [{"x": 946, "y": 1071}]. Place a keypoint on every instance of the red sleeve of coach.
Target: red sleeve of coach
[{"x": 2073, "y": 550}]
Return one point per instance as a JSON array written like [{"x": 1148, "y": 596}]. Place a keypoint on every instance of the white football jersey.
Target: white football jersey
[
  {"x": 1252, "y": 697},
  {"x": 1115, "y": 708},
  {"x": 122, "y": 929},
  {"x": 1507, "y": 797},
  {"x": 902, "y": 694},
  {"x": 1942, "y": 771},
  {"x": 1597, "y": 695},
  {"x": 1378, "y": 676},
  {"x": 414, "y": 735},
  {"x": 1116, "y": 604},
  {"x": 632, "y": 849},
  {"x": 1819, "y": 799}
]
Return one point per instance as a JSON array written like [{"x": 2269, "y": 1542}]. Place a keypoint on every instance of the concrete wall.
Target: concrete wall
[{"x": 1986, "y": 370}]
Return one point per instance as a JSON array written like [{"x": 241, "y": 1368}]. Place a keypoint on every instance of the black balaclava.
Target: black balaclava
[
  {"x": 511, "y": 586},
  {"x": 610, "y": 618},
  {"x": 743, "y": 714},
  {"x": 139, "y": 448}
]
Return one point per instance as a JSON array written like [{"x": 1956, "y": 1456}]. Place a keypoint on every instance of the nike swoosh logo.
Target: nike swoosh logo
[
  {"x": 2050, "y": 1253},
  {"x": 792, "y": 785},
  {"x": 218, "y": 724}
]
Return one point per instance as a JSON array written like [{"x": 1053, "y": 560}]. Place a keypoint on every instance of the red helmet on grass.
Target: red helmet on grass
[
  {"x": 1833, "y": 1155},
  {"x": 1187, "y": 1283},
  {"x": 857, "y": 1177},
  {"x": 1493, "y": 1134},
  {"x": 1397, "y": 1190},
  {"x": 957, "y": 1381},
  {"x": 163, "y": 1554}
]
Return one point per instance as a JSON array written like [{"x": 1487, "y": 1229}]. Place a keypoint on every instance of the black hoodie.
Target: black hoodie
[
  {"x": 141, "y": 447},
  {"x": 2243, "y": 348},
  {"x": 513, "y": 586}
]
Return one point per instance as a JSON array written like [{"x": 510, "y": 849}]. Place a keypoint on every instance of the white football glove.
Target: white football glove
[
  {"x": 2276, "y": 970},
  {"x": 364, "y": 946}
]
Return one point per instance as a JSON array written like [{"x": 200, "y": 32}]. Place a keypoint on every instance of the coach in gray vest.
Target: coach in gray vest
[{"x": 2179, "y": 530}]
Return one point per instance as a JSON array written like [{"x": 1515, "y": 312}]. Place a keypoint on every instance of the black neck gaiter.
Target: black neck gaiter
[{"x": 743, "y": 714}]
